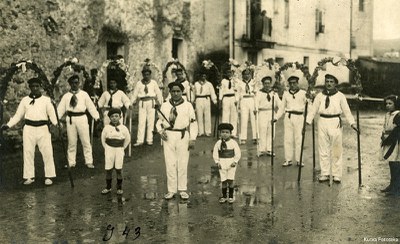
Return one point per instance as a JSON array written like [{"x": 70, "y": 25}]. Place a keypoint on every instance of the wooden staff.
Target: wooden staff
[
  {"x": 272, "y": 129},
  {"x": 303, "y": 133},
  {"x": 359, "y": 144},
  {"x": 63, "y": 145},
  {"x": 130, "y": 130},
  {"x": 257, "y": 134},
  {"x": 313, "y": 144}
]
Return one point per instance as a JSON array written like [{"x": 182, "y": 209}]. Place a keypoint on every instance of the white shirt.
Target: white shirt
[
  {"x": 242, "y": 88},
  {"x": 119, "y": 99},
  {"x": 262, "y": 103},
  {"x": 337, "y": 105},
  {"x": 42, "y": 109},
  {"x": 84, "y": 102},
  {"x": 224, "y": 90},
  {"x": 230, "y": 144},
  {"x": 185, "y": 118},
  {"x": 208, "y": 90},
  {"x": 110, "y": 132},
  {"x": 289, "y": 103},
  {"x": 153, "y": 91}
]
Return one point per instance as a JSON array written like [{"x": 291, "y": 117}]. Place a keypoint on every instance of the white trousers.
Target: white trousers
[
  {"x": 176, "y": 154},
  {"x": 292, "y": 130},
  {"x": 265, "y": 130},
  {"x": 330, "y": 146},
  {"x": 146, "y": 121},
  {"x": 78, "y": 128},
  {"x": 246, "y": 110},
  {"x": 114, "y": 157},
  {"x": 203, "y": 112},
  {"x": 40, "y": 136},
  {"x": 229, "y": 113}
]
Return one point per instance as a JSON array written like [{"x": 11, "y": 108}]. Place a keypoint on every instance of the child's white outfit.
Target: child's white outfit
[
  {"x": 225, "y": 156},
  {"x": 114, "y": 140}
]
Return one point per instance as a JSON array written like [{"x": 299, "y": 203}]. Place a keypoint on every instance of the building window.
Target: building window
[
  {"x": 176, "y": 48},
  {"x": 319, "y": 22},
  {"x": 280, "y": 61},
  {"x": 114, "y": 49},
  {"x": 361, "y": 5},
  {"x": 252, "y": 56},
  {"x": 306, "y": 61},
  {"x": 286, "y": 13}
]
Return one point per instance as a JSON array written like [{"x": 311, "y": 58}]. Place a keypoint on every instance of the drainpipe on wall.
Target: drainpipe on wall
[{"x": 232, "y": 29}]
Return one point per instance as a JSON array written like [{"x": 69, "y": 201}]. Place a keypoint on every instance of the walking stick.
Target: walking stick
[
  {"x": 258, "y": 135},
  {"x": 358, "y": 144},
  {"x": 313, "y": 144},
  {"x": 130, "y": 130},
  {"x": 303, "y": 133},
  {"x": 63, "y": 146},
  {"x": 272, "y": 129}
]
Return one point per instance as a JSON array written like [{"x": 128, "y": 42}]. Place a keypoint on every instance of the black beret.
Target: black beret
[
  {"x": 225, "y": 126},
  {"x": 266, "y": 78},
  {"x": 114, "y": 111},
  {"x": 178, "y": 84},
  {"x": 293, "y": 77},
  {"x": 333, "y": 77},
  {"x": 34, "y": 80},
  {"x": 72, "y": 78}
]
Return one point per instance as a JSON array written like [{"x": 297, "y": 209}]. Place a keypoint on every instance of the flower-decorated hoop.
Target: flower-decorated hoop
[
  {"x": 209, "y": 66},
  {"x": 154, "y": 69},
  {"x": 175, "y": 64},
  {"x": 23, "y": 66},
  {"x": 114, "y": 63},
  {"x": 74, "y": 65},
  {"x": 349, "y": 63}
]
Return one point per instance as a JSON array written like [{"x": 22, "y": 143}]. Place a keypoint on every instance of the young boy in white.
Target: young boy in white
[
  {"x": 36, "y": 110},
  {"x": 204, "y": 92},
  {"x": 114, "y": 138},
  {"x": 263, "y": 105},
  {"x": 226, "y": 155},
  {"x": 113, "y": 98}
]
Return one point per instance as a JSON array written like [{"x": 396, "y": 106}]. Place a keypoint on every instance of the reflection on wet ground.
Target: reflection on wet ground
[{"x": 271, "y": 206}]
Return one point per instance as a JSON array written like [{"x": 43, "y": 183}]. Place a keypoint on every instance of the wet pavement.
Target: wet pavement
[{"x": 270, "y": 207}]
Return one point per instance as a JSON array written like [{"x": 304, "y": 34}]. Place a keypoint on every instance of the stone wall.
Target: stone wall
[{"x": 49, "y": 31}]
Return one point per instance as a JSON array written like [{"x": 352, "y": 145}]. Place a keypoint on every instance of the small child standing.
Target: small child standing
[
  {"x": 390, "y": 150},
  {"x": 226, "y": 155},
  {"x": 114, "y": 138}
]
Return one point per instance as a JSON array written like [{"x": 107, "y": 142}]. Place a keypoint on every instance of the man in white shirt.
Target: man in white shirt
[
  {"x": 149, "y": 95},
  {"x": 247, "y": 88},
  {"x": 229, "y": 97},
  {"x": 36, "y": 110},
  {"x": 204, "y": 92},
  {"x": 178, "y": 129},
  {"x": 292, "y": 107},
  {"x": 113, "y": 98},
  {"x": 74, "y": 104},
  {"x": 330, "y": 104}
]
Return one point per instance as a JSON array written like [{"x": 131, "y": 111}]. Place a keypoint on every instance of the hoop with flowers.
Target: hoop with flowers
[
  {"x": 336, "y": 61},
  {"x": 213, "y": 71},
  {"x": 73, "y": 67},
  {"x": 22, "y": 66},
  {"x": 114, "y": 63},
  {"x": 147, "y": 64},
  {"x": 175, "y": 64}
]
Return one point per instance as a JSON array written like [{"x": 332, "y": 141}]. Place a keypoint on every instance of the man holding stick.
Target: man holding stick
[
  {"x": 330, "y": 104},
  {"x": 36, "y": 110},
  {"x": 74, "y": 103},
  {"x": 178, "y": 132}
]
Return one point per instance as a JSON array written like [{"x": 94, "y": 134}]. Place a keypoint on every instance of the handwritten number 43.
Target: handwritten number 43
[{"x": 110, "y": 231}]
